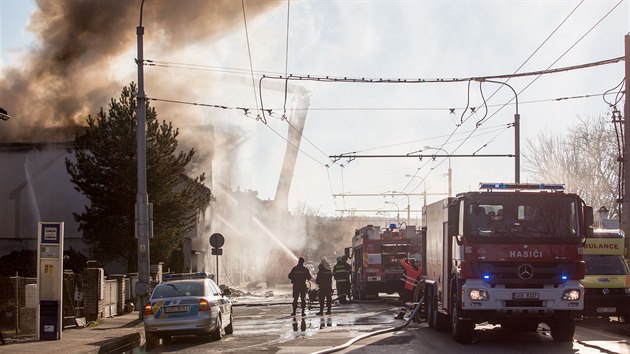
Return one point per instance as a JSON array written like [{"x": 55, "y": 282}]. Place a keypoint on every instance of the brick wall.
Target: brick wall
[{"x": 93, "y": 293}]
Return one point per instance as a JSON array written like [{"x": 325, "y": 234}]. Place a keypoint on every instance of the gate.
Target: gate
[{"x": 110, "y": 298}]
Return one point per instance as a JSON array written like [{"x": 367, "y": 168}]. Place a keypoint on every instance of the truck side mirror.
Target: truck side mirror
[
  {"x": 453, "y": 219},
  {"x": 588, "y": 220}
]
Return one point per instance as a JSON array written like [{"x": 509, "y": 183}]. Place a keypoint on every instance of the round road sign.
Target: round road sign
[{"x": 217, "y": 240}]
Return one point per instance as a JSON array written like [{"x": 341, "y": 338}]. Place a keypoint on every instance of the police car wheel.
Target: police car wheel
[
  {"x": 217, "y": 334},
  {"x": 229, "y": 329}
]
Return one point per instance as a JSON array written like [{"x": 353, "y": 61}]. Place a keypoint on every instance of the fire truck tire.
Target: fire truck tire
[
  {"x": 463, "y": 330},
  {"x": 562, "y": 329},
  {"x": 436, "y": 319},
  {"x": 418, "y": 295},
  {"x": 441, "y": 321},
  {"x": 430, "y": 308}
]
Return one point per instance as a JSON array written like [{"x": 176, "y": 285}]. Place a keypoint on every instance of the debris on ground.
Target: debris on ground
[{"x": 253, "y": 286}]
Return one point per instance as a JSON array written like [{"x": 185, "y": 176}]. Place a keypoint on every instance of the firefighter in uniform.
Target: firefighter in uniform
[
  {"x": 342, "y": 271},
  {"x": 411, "y": 276},
  {"x": 324, "y": 280},
  {"x": 299, "y": 275}
]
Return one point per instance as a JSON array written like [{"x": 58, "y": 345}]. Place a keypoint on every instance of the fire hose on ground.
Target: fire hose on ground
[{"x": 371, "y": 334}]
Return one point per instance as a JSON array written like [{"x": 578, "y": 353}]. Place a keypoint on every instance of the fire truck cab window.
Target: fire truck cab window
[{"x": 525, "y": 215}]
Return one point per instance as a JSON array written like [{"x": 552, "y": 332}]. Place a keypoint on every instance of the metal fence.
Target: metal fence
[
  {"x": 18, "y": 303},
  {"x": 12, "y": 299}
]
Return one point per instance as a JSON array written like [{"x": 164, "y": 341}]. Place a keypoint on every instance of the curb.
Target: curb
[{"x": 122, "y": 344}]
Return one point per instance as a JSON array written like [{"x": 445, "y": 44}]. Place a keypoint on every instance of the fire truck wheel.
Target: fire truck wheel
[
  {"x": 430, "y": 309},
  {"x": 463, "y": 330},
  {"x": 562, "y": 330}
]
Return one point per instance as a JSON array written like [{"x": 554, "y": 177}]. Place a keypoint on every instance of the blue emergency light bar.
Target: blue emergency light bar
[
  {"x": 528, "y": 186},
  {"x": 181, "y": 276}
]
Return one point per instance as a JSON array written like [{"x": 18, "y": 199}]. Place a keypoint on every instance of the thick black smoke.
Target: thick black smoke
[{"x": 62, "y": 81}]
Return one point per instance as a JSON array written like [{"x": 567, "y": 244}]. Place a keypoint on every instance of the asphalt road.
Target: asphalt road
[{"x": 268, "y": 328}]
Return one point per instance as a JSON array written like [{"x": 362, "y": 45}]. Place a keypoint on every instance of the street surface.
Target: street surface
[{"x": 264, "y": 325}]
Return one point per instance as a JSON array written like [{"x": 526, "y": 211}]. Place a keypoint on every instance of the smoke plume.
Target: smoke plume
[{"x": 68, "y": 75}]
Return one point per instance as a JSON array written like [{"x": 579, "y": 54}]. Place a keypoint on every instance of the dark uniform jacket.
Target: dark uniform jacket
[
  {"x": 324, "y": 279},
  {"x": 342, "y": 271},
  {"x": 299, "y": 275}
]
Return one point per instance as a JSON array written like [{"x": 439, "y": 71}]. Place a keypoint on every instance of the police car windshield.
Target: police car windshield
[
  {"x": 178, "y": 289},
  {"x": 517, "y": 215}
]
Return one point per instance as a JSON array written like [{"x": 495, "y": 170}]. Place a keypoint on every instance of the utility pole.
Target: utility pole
[
  {"x": 143, "y": 229},
  {"x": 625, "y": 198}
]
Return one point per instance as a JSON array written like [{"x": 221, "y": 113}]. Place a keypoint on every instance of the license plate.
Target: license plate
[
  {"x": 606, "y": 309},
  {"x": 175, "y": 309},
  {"x": 525, "y": 295}
]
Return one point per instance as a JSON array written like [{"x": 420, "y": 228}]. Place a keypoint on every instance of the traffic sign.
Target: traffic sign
[{"x": 217, "y": 240}]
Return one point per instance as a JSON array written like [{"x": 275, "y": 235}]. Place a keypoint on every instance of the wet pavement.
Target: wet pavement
[{"x": 262, "y": 324}]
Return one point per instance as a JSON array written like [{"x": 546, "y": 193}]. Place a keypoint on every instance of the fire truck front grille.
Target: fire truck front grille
[
  {"x": 523, "y": 303},
  {"x": 524, "y": 274}
]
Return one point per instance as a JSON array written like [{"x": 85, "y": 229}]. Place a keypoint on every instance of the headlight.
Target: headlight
[
  {"x": 626, "y": 290},
  {"x": 478, "y": 294},
  {"x": 571, "y": 295}
]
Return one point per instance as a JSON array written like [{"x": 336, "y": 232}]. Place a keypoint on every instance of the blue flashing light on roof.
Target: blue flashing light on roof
[
  {"x": 564, "y": 277},
  {"x": 180, "y": 276},
  {"x": 392, "y": 226},
  {"x": 522, "y": 186},
  {"x": 486, "y": 277}
]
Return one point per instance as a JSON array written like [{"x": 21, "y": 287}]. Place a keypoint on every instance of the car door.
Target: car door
[{"x": 222, "y": 302}]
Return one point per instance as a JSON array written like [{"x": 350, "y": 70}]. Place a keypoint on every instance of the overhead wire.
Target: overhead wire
[
  {"x": 618, "y": 95},
  {"x": 437, "y": 80},
  {"x": 539, "y": 46},
  {"x": 480, "y": 122},
  {"x": 363, "y": 80},
  {"x": 490, "y": 128},
  {"x": 286, "y": 61},
  {"x": 249, "y": 52},
  {"x": 296, "y": 147},
  {"x": 271, "y": 111},
  {"x": 537, "y": 76}
]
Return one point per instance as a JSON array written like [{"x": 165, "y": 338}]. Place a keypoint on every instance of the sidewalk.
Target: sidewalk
[{"x": 112, "y": 335}]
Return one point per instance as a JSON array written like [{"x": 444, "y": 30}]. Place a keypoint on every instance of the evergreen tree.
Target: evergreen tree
[{"x": 105, "y": 171}]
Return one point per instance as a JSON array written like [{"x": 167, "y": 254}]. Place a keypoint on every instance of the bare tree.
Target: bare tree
[{"x": 585, "y": 160}]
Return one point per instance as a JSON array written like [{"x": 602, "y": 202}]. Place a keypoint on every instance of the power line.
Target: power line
[
  {"x": 296, "y": 147},
  {"x": 271, "y": 111},
  {"x": 540, "y": 73},
  {"x": 537, "y": 49},
  {"x": 331, "y": 78},
  {"x": 286, "y": 60},
  {"x": 249, "y": 52},
  {"x": 363, "y": 80}
]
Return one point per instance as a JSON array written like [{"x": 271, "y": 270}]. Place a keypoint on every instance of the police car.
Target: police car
[{"x": 184, "y": 304}]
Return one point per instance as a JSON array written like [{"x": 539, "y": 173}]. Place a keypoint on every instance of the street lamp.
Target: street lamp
[
  {"x": 408, "y": 205},
  {"x": 424, "y": 193},
  {"x": 398, "y": 214},
  {"x": 450, "y": 171}
]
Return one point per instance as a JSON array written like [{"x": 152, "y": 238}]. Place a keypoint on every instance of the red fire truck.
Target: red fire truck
[
  {"x": 509, "y": 254},
  {"x": 376, "y": 255}
]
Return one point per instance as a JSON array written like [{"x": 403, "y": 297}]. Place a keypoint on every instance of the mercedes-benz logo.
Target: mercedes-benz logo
[
  {"x": 605, "y": 291},
  {"x": 525, "y": 271}
]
